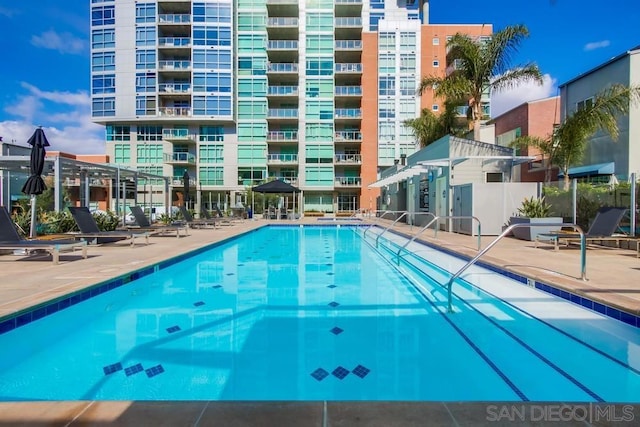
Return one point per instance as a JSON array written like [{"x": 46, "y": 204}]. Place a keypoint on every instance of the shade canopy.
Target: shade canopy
[
  {"x": 275, "y": 187},
  {"x": 35, "y": 184}
]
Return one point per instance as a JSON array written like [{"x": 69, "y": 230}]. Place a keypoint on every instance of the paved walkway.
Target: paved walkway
[{"x": 613, "y": 277}]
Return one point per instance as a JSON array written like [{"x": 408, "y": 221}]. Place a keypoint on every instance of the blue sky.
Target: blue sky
[{"x": 44, "y": 74}]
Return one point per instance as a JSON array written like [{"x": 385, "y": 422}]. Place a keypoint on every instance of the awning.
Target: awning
[
  {"x": 401, "y": 175},
  {"x": 591, "y": 170}
]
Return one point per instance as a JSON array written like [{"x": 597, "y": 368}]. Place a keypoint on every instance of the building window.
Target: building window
[
  {"x": 212, "y": 82},
  {"x": 103, "y": 107},
  {"x": 101, "y": 84},
  {"x": 435, "y": 107},
  {"x": 581, "y": 105},
  {"x": 212, "y": 12},
  {"x": 146, "y": 82},
  {"x": 211, "y": 133},
  {"x": 149, "y": 133},
  {"x": 211, "y": 176},
  {"x": 103, "y": 61},
  {"x": 145, "y": 60},
  {"x": 211, "y": 153},
  {"x": 146, "y": 105},
  {"x": 145, "y": 13},
  {"x": 212, "y": 36},
  {"x": 212, "y": 105},
  {"x": 103, "y": 15},
  {"x": 387, "y": 63},
  {"x": 118, "y": 133},
  {"x": 435, "y": 41},
  {"x": 374, "y": 19},
  {"x": 387, "y": 41},
  {"x": 407, "y": 63},
  {"x": 149, "y": 153},
  {"x": 254, "y": 154},
  {"x": 436, "y": 63},
  {"x": 122, "y": 153},
  {"x": 494, "y": 177},
  {"x": 387, "y": 109},
  {"x": 407, "y": 41},
  {"x": 387, "y": 86},
  {"x": 103, "y": 38},
  {"x": 407, "y": 86}
]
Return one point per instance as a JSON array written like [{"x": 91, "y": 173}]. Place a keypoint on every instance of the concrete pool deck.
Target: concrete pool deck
[{"x": 613, "y": 278}]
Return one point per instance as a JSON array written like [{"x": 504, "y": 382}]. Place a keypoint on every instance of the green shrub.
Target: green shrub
[{"x": 534, "y": 208}]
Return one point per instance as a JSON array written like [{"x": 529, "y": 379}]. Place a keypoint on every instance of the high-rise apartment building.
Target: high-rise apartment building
[{"x": 314, "y": 92}]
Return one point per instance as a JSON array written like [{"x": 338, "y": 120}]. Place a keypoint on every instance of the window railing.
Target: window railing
[
  {"x": 348, "y": 158},
  {"x": 174, "y": 87},
  {"x": 348, "y": 113},
  {"x": 282, "y": 158},
  {"x": 283, "y": 44},
  {"x": 179, "y": 157},
  {"x": 348, "y": 90},
  {"x": 282, "y": 113},
  {"x": 348, "y": 181},
  {"x": 348, "y": 68},
  {"x": 174, "y": 41},
  {"x": 174, "y": 65},
  {"x": 177, "y": 134},
  {"x": 283, "y": 135},
  {"x": 175, "y": 111},
  {"x": 283, "y": 67},
  {"x": 282, "y": 22},
  {"x": 173, "y": 18},
  {"x": 348, "y": 22},
  {"x": 283, "y": 90},
  {"x": 348, "y": 135},
  {"x": 348, "y": 45}
]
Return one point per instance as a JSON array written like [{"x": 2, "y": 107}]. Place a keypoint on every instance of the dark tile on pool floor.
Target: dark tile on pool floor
[
  {"x": 131, "y": 370},
  {"x": 198, "y": 303},
  {"x": 173, "y": 329},
  {"x": 334, "y": 304},
  {"x": 154, "y": 370},
  {"x": 110, "y": 369},
  {"x": 216, "y": 286},
  {"x": 340, "y": 372},
  {"x": 336, "y": 330},
  {"x": 360, "y": 371},
  {"x": 319, "y": 374},
  {"x": 331, "y": 286}
]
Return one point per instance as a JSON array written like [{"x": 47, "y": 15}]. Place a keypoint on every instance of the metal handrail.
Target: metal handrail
[
  {"x": 392, "y": 224},
  {"x": 381, "y": 216},
  {"x": 435, "y": 234},
  {"x": 583, "y": 253},
  {"x": 435, "y": 218}
]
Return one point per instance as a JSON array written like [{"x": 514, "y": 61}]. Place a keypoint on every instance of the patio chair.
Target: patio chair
[
  {"x": 10, "y": 240},
  {"x": 221, "y": 220},
  {"x": 90, "y": 231},
  {"x": 197, "y": 223},
  {"x": 143, "y": 224},
  {"x": 602, "y": 229}
]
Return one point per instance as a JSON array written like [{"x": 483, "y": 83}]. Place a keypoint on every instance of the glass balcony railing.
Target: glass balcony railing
[
  {"x": 282, "y": 22},
  {"x": 348, "y": 113},
  {"x": 282, "y": 68},
  {"x": 282, "y": 113},
  {"x": 282, "y": 135},
  {"x": 348, "y": 68},
  {"x": 348, "y": 22},
  {"x": 174, "y": 42},
  {"x": 348, "y": 45},
  {"x": 179, "y": 158},
  {"x": 174, "y": 87},
  {"x": 178, "y": 180},
  {"x": 174, "y": 65},
  {"x": 348, "y": 135},
  {"x": 348, "y": 181},
  {"x": 282, "y": 158},
  {"x": 177, "y": 134},
  {"x": 171, "y": 18},
  {"x": 282, "y": 44},
  {"x": 348, "y": 2},
  {"x": 283, "y": 90},
  {"x": 293, "y": 180},
  {"x": 348, "y": 158},
  {"x": 348, "y": 90},
  {"x": 175, "y": 111}
]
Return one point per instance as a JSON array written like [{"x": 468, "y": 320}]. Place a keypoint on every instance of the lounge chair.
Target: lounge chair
[
  {"x": 197, "y": 223},
  {"x": 602, "y": 229},
  {"x": 11, "y": 240},
  {"x": 143, "y": 224},
  {"x": 221, "y": 220},
  {"x": 90, "y": 231}
]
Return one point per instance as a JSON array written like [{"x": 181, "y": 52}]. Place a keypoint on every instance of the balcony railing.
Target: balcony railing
[
  {"x": 283, "y": 90},
  {"x": 174, "y": 42},
  {"x": 348, "y": 158},
  {"x": 342, "y": 2},
  {"x": 178, "y": 180},
  {"x": 348, "y": 68},
  {"x": 348, "y": 45},
  {"x": 348, "y": 22},
  {"x": 282, "y": 158},
  {"x": 348, "y": 90},
  {"x": 282, "y": 113},
  {"x": 287, "y": 179},
  {"x": 174, "y": 65},
  {"x": 283, "y": 67},
  {"x": 282, "y": 45},
  {"x": 171, "y": 18},
  {"x": 175, "y": 111},
  {"x": 348, "y": 135},
  {"x": 348, "y": 113},
  {"x": 174, "y": 87},
  {"x": 348, "y": 181},
  {"x": 178, "y": 135},
  {"x": 179, "y": 158},
  {"x": 283, "y": 136},
  {"x": 282, "y": 22}
]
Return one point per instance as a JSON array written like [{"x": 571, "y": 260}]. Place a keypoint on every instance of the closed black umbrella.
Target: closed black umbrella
[
  {"x": 35, "y": 184},
  {"x": 186, "y": 180}
]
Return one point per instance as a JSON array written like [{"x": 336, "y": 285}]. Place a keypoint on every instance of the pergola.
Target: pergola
[{"x": 66, "y": 170}]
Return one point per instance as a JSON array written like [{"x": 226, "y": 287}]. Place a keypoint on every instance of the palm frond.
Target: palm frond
[{"x": 512, "y": 78}]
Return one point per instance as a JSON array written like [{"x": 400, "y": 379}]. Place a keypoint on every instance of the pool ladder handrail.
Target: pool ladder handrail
[
  {"x": 435, "y": 234},
  {"x": 375, "y": 222},
  {"x": 576, "y": 227},
  {"x": 405, "y": 213}
]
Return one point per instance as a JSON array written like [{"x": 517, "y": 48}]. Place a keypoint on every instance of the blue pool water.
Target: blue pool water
[{"x": 316, "y": 313}]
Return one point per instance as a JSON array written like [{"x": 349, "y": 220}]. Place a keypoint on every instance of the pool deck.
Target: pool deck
[{"x": 613, "y": 278}]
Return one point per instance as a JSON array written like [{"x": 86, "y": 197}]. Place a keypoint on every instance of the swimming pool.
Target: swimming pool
[{"x": 315, "y": 313}]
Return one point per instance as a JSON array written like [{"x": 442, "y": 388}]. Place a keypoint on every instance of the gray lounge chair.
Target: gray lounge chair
[
  {"x": 143, "y": 224},
  {"x": 221, "y": 220},
  {"x": 90, "y": 231},
  {"x": 601, "y": 229},
  {"x": 11, "y": 240},
  {"x": 197, "y": 223}
]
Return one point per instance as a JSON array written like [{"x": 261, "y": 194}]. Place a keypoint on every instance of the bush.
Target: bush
[{"x": 534, "y": 208}]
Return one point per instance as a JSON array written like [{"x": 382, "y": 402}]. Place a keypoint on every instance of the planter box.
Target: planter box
[{"x": 530, "y": 233}]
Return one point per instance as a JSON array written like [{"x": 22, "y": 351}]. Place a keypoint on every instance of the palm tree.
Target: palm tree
[
  {"x": 566, "y": 145},
  {"x": 430, "y": 127},
  {"x": 481, "y": 67}
]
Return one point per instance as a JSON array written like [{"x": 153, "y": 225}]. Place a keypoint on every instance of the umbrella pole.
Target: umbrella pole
[{"x": 32, "y": 231}]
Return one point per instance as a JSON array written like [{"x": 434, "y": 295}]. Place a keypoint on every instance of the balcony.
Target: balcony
[
  {"x": 283, "y": 91},
  {"x": 348, "y": 113},
  {"x": 178, "y": 181},
  {"x": 282, "y": 159},
  {"x": 348, "y": 90},
  {"x": 282, "y": 136},
  {"x": 177, "y": 88},
  {"x": 174, "y": 42},
  {"x": 175, "y": 111},
  {"x": 348, "y": 22},
  {"x": 348, "y": 45},
  {"x": 174, "y": 18},
  {"x": 171, "y": 65},
  {"x": 282, "y": 45},
  {"x": 354, "y": 159},
  {"x": 179, "y": 158},
  {"x": 350, "y": 68},
  {"x": 290, "y": 68},
  {"x": 288, "y": 179},
  {"x": 283, "y": 22},
  {"x": 178, "y": 135},
  {"x": 348, "y": 136},
  {"x": 282, "y": 113},
  {"x": 348, "y": 181}
]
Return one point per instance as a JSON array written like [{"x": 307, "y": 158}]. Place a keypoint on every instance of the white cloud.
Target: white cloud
[
  {"x": 507, "y": 99},
  {"x": 596, "y": 45},
  {"x": 64, "y": 116},
  {"x": 62, "y": 42}
]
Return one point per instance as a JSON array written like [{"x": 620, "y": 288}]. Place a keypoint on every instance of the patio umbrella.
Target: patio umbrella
[
  {"x": 35, "y": 184},
  {"x": 277, "y": 186},
  {"x": 186, "y": 181}
]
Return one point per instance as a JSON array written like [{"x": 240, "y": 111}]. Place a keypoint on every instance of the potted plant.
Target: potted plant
[{"x": 534, "y": 211}]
